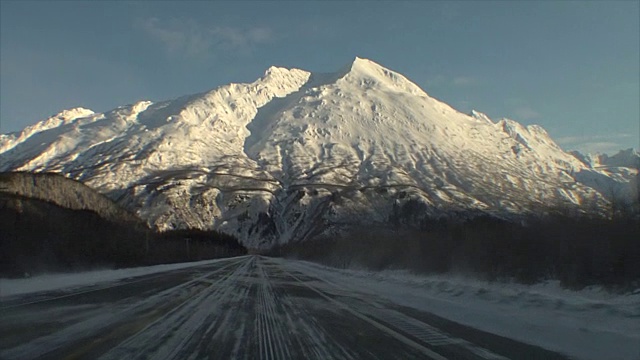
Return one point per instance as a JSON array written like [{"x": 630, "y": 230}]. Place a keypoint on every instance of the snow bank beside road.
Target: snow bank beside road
[
  {"x": 587, "y": 324},
  {"x": 51, "y": 282}
]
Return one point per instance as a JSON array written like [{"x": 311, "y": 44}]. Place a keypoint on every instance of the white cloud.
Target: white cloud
[
  {"x": 525, "y": 113},
  {"x": 435, "y": 81},
  {"x": 464, "y": 104},
  {"x": 189, "y": 38},
  {"x": 608, "y": 143},
  {"x": 581, "y": 139},
  {"x": 605, "y": 147},
  {"x": 464, "y": 81}
]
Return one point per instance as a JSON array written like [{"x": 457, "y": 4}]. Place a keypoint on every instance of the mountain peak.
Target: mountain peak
[
  {"x": 73, "y": 113},
  {"x": 359, "y": 62},
  {"x": 277, "y": 71},
  {"x": 371, "y": 74},
  {"x": 368, "y": 67},
  {"x": 480, "y": 116}
]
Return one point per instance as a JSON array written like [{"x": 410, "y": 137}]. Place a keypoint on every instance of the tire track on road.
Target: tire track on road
[
  {"x": 119, "y": 315},
  {"x": 166, "y": 337},
  {"x": 405, "y": 325},
  {"x": 276, "y": 344},
  {"x": 226, "y": 326},
  {"x": 398, "y": 336},
  {"x": 476, "y": 343},
  {"x": 308, "y": 338}
]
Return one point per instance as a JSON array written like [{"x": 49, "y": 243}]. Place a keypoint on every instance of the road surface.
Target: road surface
[{"x": 250, "y": 307}]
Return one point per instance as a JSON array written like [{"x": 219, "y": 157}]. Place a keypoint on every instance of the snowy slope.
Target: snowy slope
[
  {"x": 295, "y": 153},
  {"x": 629, "y": 158},
  {"x": 63, "y": 192},
  {"x": 616, "y": 177}
]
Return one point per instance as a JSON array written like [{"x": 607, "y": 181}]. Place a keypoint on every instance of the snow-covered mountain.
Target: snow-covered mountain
[
  {"x": 617, "y": 176},
  {"x": 629, "y": 158},
  {"x": 296, "y": 153}
]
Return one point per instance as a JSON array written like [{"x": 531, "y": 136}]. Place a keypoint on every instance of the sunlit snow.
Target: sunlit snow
[{"x": 296, "y": 152}]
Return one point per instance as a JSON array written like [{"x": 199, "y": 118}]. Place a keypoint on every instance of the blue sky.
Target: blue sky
[{"x": 572, "y": 67}]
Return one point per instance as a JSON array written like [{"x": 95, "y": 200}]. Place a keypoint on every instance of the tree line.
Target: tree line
[
  {"x": 41, "y": 236},
  {"x": 577, "y": 251}
]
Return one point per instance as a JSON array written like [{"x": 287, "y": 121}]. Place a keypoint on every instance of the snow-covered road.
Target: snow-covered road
[{"x": 250, "y": 307}]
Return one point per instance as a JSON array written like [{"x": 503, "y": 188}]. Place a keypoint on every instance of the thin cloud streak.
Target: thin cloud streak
[
  {"x": 526, "y": 113},
  {"x": 191, "y": 39},
  {"x": 603, "y": 147},
  {"x": 608, "y": 144},
  {"x": 452, "y": 82},
  {"x": 464, "y": 81},
  {"x": 585, "y": 138}
]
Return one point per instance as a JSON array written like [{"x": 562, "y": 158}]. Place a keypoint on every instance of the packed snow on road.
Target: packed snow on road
[{"x": 293, "y": 308}]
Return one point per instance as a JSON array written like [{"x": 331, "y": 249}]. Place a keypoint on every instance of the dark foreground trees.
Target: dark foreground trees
[
  {"x": 39, "y": 236},
  {"x": 577, "y": 251}
]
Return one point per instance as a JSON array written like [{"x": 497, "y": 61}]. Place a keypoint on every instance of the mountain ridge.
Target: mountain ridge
[{"x": 296, "y": 153}]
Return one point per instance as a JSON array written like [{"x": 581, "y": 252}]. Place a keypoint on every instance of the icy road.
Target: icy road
[{"x": 250, "y": 307}]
